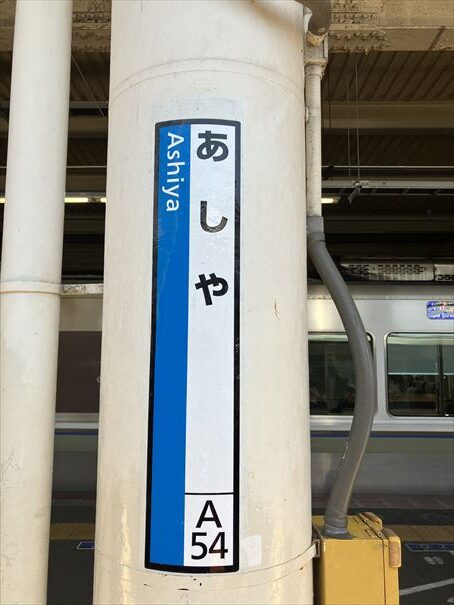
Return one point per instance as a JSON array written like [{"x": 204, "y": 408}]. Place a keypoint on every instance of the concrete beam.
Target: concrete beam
[
  {"x": 80, "y": 127},
  {"x": 337, "y": 115},
  {"x": 91, "y": 25},
  {"x": 395, "y": 115},
  {"x": 358, "y": 25},
  {"x": 415, "y": 185},
  {"x": 387, "y": 225},
  {"x": 406, "y": 25},
  {"x": 90, "y": 180}
]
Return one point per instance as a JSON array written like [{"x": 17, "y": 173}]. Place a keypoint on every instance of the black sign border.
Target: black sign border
[{"x": 236, "y": 329}]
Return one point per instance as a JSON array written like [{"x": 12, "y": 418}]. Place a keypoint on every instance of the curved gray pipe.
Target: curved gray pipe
[
  {"x": 365, "y": 381},
  {"x": 321, "y": 16}
]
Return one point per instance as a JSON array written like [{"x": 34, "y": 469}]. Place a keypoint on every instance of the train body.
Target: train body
[{"x": 411, "y": 449}]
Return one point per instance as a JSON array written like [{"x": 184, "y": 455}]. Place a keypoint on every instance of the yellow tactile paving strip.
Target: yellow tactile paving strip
[
  {"x": 407, "y": 533},
  {"x": 72, "y": 531},
  {"x": 424, "y": 533}
]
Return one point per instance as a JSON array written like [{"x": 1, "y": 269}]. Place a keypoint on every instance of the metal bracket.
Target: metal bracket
[{"x": 316, "y": 543}]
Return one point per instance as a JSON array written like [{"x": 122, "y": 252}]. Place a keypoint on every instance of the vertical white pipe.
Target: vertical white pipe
[
  {"x": 314, "y": 74},
  {"x": 223, "y": 60},
  {"x": 30, "y": 278}
]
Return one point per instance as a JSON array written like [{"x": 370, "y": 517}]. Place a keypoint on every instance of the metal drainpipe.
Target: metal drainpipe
[
  {"x": 30, "y": 287},
  {"x": 336, "y": 519},
  {"x": 319, "y": 21}
]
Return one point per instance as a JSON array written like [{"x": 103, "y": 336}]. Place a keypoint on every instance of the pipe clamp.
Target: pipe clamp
[{"x": 29, "y": 287}]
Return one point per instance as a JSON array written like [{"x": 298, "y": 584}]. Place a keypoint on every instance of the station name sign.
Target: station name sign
[{"x": 193, "y": 453}]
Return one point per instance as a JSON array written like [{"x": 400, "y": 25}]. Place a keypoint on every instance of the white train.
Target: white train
[{"x": 411, "y": 450}]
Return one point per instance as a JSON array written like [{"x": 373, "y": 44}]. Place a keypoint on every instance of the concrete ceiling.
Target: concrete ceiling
[
  {"x": 388, "y": 117},
  {"x": 358, "y": 25},
  {"x": 390, "y": 79}
]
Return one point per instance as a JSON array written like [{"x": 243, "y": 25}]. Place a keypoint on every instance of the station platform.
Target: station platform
[{"x": 425, "y": 525}]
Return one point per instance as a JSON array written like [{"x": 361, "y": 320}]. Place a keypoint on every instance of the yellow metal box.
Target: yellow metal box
[{"x": 362, "y": 570}]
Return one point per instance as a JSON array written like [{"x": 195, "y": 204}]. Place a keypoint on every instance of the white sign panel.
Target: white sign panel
[{"x": 192, "y": 512}]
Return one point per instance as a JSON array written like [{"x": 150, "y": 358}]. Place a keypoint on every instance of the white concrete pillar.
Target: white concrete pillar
[
  {"x": 216, "y": 437},
  {"x": 30, "y": 279}
]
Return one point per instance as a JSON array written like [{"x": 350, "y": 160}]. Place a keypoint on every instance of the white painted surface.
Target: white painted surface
[
  {"x": 233, "y": 61},
  {"x": 251, "y": 547},
  {"x": 30, "y": 286},
  {"x": 315, "y": 61},
  {"x": 217, "y": 535},
  {"x": 314, "y": 75},
  {"x": 210, "y": 386}
]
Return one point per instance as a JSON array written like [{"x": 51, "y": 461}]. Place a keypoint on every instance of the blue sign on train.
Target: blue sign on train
[{"x": 440, "y": 309}]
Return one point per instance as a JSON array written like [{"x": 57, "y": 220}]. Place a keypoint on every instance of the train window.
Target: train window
[
  {"x": 331, "y": 375},
  {"x": 79, "y": 359},
  {"x": 420, "y": 374}
]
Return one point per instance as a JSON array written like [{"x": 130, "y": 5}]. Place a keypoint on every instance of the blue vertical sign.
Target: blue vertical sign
[{"x": 193, "y": 453}]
